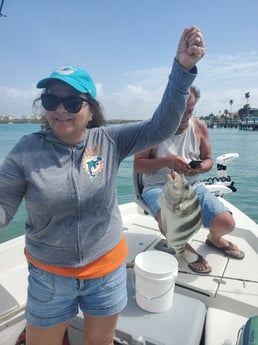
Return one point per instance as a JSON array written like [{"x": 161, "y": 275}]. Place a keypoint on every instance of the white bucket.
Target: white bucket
[{"x": 155, "y": 275}]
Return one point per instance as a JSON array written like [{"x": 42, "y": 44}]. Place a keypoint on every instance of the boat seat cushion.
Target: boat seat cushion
[{"x": 8, "y": 302}]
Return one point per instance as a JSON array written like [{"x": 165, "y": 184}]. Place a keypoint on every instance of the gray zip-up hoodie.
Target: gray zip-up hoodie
[{"x": 70, "y": 191}]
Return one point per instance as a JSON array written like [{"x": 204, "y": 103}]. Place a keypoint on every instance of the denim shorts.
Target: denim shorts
[
  {"x": 53, "y": 299},
  {"x": 210, "y": 204},
  {"x": 152, "y": 199}
]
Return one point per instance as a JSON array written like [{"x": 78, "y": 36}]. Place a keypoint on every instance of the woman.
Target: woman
[{"x": 67, "y": 174}]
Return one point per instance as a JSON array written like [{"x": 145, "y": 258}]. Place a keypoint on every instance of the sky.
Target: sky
[{"x": 128, "y": 48}]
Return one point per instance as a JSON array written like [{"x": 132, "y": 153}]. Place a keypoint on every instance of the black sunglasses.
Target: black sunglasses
[{"x": 72, "y": 104}]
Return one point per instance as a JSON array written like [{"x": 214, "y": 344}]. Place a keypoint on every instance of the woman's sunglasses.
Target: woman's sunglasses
[{"x": 72, "y": 104}]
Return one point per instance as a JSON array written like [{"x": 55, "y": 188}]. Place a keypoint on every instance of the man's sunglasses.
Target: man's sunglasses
[{"x": 72, "y": 104}]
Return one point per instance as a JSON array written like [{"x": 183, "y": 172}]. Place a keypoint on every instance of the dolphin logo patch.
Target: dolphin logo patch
[{"x": 93, "y": 165}]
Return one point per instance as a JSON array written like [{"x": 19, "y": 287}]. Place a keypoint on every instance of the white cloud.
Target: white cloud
[
  {"x": 228, "y": 68},
  {"x": 133, "y": 102},
  {"x": 14, "y": 101},
  {"x": 223, "y": 78},
  {"x": 220, "y": 79}
]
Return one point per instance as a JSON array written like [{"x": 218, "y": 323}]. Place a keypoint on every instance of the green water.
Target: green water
[{"x": 243, "y": 171}]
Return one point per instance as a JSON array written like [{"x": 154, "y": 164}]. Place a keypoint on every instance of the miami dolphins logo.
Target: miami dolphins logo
[
  {"x": 93, "y": 165},
  {"x": 66, "y": 70}
]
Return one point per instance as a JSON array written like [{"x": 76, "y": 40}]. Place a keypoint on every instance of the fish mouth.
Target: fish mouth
[{"x": 173, "y": 175}]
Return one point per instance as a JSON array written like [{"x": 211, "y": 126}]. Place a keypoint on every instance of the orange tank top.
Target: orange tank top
[{"x": 98, "y": 268}]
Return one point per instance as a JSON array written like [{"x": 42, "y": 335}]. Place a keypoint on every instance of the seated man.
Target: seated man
[{"x": 190, "y": 142}]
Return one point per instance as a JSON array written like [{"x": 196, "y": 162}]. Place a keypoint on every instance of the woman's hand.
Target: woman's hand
[{"x": 191, "y": 47}]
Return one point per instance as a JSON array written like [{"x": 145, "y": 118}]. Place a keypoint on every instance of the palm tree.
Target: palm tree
[
  {"x": 230, "y": 103},
  {"x": 247, "y": 95}
]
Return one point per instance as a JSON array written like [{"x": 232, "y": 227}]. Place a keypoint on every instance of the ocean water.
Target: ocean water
[{"x": 243, "y": 170}]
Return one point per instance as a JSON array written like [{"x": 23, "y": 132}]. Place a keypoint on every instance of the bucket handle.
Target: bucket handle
[{"x": 170, "y": 287}]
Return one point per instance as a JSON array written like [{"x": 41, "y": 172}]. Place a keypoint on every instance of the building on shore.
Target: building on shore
[
  {"x": 228, "y": 120},
  {"x": 233, "y": 120}
]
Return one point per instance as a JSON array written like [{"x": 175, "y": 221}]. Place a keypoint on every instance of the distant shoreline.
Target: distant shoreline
[{"x": 21, "y": 121}]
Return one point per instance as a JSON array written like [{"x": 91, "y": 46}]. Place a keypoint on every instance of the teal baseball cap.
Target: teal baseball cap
[{"x": 79, "y": 79}]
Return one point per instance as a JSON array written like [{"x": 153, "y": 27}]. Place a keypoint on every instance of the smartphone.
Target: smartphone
[{"x": 195, "y": 164}]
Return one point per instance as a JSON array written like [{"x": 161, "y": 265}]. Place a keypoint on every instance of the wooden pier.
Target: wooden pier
[
  {"x": 245, "y": 124},
  {"x": 249, "y": 124}
]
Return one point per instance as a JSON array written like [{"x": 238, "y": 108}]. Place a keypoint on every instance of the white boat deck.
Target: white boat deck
[
  {"x": 13, "y": 285},
  {"x": 13, "y": 290},
  {"x": 232, "y": 285},
  {"x": 229, "y": 293},
  {"x": 223, "y": 327}
]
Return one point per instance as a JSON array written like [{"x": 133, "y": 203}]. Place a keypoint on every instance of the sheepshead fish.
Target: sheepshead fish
[{"x": 180, "y": 211}]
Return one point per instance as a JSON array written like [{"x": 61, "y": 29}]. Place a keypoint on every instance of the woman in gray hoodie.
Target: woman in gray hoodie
[{"x": 67, "y": 175}]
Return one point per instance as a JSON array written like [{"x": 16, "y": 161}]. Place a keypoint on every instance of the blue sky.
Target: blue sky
[{"x": 128, "y": 48}]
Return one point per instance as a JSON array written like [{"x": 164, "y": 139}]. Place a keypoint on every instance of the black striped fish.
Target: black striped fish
[{"x": 180, "y": 211}]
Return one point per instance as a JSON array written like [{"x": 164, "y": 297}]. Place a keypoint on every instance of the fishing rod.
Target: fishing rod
[
  {"x": 220, "y": 279},
  {"x": 1, "y": 7}
]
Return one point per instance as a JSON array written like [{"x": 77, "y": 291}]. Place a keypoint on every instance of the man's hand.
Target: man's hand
[
  {"x": 191, "y": 47},
  {"x": 180, "y": 165}
]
